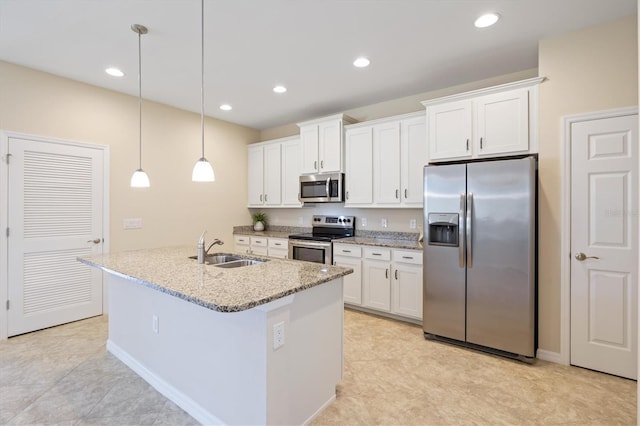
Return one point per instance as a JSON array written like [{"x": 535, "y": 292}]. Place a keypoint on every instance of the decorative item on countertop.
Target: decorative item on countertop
[{"x": 259, "y": 221}]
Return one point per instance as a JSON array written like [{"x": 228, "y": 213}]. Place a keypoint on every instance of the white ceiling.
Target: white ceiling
[{"x": 308, "y": 45}]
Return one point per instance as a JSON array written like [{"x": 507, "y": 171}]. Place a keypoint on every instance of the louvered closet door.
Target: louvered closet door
[{"x": 55, "y": 215}]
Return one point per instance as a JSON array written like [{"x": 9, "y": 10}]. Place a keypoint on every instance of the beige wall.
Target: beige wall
[
  {"x": 589, "y": 70},
  {"x": 174, "y": 210}
]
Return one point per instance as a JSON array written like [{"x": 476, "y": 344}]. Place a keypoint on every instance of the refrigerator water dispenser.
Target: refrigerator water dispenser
[{"x": 443, "y": 229}]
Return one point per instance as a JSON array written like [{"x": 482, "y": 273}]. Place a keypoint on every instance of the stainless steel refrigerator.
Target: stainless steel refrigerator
[{"x": 480, "y": 255}]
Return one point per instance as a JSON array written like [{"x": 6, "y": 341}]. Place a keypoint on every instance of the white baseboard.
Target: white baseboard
[
  {"x": 550, "y": 356},
  {"x": 194, "y": 409},
  {"x": 320, "y": 410}
]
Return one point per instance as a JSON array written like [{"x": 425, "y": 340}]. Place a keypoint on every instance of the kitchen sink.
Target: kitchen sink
[
  {"x": 239, "y": 263},
  {"x": 223, "y": 260}
]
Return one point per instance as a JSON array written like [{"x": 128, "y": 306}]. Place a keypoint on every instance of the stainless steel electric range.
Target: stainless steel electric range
[{"x": 316, "y": 246}]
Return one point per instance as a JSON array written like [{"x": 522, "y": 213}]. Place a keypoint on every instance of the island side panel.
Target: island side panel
[
  {"x": 303, "y": 373},
  {"x": 212, "y": 364}
]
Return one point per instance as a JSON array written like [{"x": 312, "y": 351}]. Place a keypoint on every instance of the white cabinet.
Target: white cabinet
[
  {"x": 406, "y": 285},
  {"x": 278, "y": 247},
  {"x": 259, "y": 246},
  {"x": 321, "y": 142},
  {"x": 264, "y": 163},
  {"x": 349, "y": 256},
  {"x": 242, "y": 243},
  {"x": 384, "y": 163},
  {"x": 376, "y": 286},
  {"x": 273, "y": 173},
  {"x": 359, "y": 166},
  {"x": 491, "y": 122}
]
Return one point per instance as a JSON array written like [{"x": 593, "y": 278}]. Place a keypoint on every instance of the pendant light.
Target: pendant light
[
  {"x": 202, "y": 171},
  {"x": 139, "y": 178}
]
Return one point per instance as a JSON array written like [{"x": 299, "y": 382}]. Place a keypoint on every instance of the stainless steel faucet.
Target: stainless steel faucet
[{"x": 202, "y": 252}]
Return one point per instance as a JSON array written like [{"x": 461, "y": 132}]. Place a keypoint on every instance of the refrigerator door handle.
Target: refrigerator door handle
[
  {"x": 461, "y": 232},
  {"x": 468, "y": 229}
]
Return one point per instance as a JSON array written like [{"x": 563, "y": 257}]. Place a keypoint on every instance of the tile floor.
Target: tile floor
[{"x": 63, "y": 375}]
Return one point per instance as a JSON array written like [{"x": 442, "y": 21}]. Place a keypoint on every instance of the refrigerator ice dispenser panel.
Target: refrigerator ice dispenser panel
[{"x": 443, "y": 229}]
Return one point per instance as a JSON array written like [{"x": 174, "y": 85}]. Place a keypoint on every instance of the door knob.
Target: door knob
[
  {"x": 581, "y": 256},
  {"x": 96, "y": 241}
]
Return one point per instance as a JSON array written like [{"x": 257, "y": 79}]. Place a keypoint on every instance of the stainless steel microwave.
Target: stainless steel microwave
[{"x": 323, "y": 188}]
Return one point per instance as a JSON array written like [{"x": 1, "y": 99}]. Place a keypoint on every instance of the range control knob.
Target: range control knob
[{"x": 348, "y": 220}]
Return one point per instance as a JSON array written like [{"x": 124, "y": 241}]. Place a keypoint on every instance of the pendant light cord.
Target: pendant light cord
[
  {"x": 202, "y": 74},
  {"x": 139, "y": 102}
]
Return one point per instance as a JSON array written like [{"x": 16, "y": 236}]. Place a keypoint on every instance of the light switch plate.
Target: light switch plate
[
  {"x": 363, "y": 222},
  {"x": 383, "y": 222},
  {"x": 412, "y": 223}
]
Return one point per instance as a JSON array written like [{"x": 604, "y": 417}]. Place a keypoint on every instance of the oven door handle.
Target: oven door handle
[{"x": 312, "y": 244}]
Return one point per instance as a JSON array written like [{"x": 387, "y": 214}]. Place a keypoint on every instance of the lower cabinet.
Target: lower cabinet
[
  {"x": 385, "y": 280},
  {"x": 243, "y": 243},
  {"x": 278, "y": 247}
]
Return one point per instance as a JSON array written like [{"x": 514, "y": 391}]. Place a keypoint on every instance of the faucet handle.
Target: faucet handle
[{"x": 201, "y": 239}]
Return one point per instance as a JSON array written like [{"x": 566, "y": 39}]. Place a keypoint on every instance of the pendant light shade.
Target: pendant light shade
[
  {"x": 139, "y": 178},
  {"x": 202, "y": 171}
]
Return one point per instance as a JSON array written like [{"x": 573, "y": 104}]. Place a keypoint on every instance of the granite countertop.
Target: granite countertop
[
  {"x": 170, "y": 271},
  {"x": 382, "y": 242},
  {"x": 266, "y": 233}
]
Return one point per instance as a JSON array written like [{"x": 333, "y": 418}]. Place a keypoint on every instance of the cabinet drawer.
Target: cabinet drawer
[
  {"x": 348, "y": 250},
  {"x": 408, "y": 256},
  {"x": 259, "y": 241},
  {"x": 278, "y": 243},
  {"x": 378, "y": 253},
  {"x": 242, "y": 240}
]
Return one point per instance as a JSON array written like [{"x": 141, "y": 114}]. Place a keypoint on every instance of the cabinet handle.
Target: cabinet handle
[
  {"x": 277, "y": 244},
  {"x": 407, "y": 257},
  {"x": 347, "y": 195},
  {"x": 386, "y": 273},
  {"x": 315, "y": 164},
  {"x": 322, "y": 164},
  {"x": 376, "y": 254},
  {"x": 396, "y": 274},
  {"x": 480, "y": 143},
  {"x": 467, "y": 144},
  {"x": 397, "y": 193},
  {"x": 265, "y": 198},
  {"x": 405, "y": 193},
  {"x": 260, "y": 197},
  {"x": 346, "y": 251},
  {"x": 334, "y": 263}
]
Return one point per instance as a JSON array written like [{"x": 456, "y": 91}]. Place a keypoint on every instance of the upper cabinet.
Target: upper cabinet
[
  {"x": 273, "y": 173},
  {"x": 322, "y": 144},
  {"x": 384, "y": 161},
  {"x": 492, "y": 122}
]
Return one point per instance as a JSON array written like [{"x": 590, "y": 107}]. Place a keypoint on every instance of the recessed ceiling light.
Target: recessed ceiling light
[
  {"x": 226, "y": 107},
  {"x": 486, "y": 20},
  {"x": 114, "y": 72},
  {"x": 361, "y": 62},
  {"x": 279, "y": 89}
]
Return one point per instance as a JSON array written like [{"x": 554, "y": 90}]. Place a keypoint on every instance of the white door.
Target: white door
[
  {"x": 386, "y": 163},
  {"x": 352, "y": 283},
  {"x": 291, "y": 169},
  {"x": 55, "y": 215},
  {"x": 359, "y": 166},
  {"x": 413, "y": 150},
  {"x": 330, "y": 146},
  {"x": 407, "y": 290},
  {"x": 502, "y": 121},
  {"x": 309, "y": 146},
  {"x": 376, "y": 285},
  {"x": 450, "y": 130},
  {"x": 604, "y": 247},
  {"x": 255, "y": 181},
  {"x": 272, "y": 175}
]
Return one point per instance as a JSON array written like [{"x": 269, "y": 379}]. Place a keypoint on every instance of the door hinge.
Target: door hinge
[
  {"x": 7, "y": 304},
  {"x": 7, "y": 231},
  {"x": 7, "y": 158}
]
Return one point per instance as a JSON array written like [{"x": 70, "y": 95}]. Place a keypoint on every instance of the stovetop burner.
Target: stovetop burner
[{"x": 327, "y": 228}]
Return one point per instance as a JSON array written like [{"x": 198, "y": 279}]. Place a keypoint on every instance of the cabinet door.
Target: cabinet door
[
  {"x": 330, "y": 146},
  {"x": 255, "y": 175},
  {"x": 413, "y": 152},
  {"x": 352, "y": 283},
  {"x": 407, "y": 290},
  {"x": 291, "y": 170},
  {"x": 450, "y": 130},
  {"x": 502, "y": 121},
  {"x": 272, "y": 175},
  {"x": 376, "y": 285},
  {"x": 309, "y": 141},
  {"x": 359, "y": 166},
  {"x": 242, "y": 243},
  {"x": 386, "y": 163}
]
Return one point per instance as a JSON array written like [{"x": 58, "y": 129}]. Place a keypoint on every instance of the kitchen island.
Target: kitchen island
[{"x": 258, "y": 344}]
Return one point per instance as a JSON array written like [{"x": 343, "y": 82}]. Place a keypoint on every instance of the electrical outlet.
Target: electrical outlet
[
  {"x": 133, "y": 223},
  {"x": 363, "y": 222},
  {"x": 278, "y": 335},
  {"x": 412, "y": 223},
  {"x": 383, "y": 222},
  {"x": 154, "y": 324}
]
